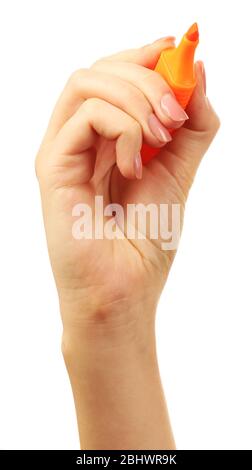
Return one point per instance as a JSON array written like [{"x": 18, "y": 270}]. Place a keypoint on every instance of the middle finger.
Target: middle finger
[{"x": 152, "y": 85}]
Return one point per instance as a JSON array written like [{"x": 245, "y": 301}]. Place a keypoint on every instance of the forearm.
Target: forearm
[{"x": 117, "y": 389}]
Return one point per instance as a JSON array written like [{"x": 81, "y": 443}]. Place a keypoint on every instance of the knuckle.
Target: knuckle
[
  {"x": 133, "y": 130},
  {"x": 150, "y": 74},
  {"x": 91, "y": 108},
  {"x": 133, "y": 95},
  {"x": 76, "y": 77},
  {"x": 156, "y": 83},
  {"x": 144, "y": 50},
  {"x": 134, "y": 127},
  {"x": 97, "y": 63},
  {"x": 91, "y": 104}
]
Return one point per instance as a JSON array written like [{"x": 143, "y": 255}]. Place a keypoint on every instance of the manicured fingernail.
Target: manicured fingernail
[
  {"x": 166, "y": 38},
  {"x": 138, "y": 166},
  {"x": 172, "y": 109},
  {"x": 203, "y": 75},
  {"x": 160, "y": 132}
]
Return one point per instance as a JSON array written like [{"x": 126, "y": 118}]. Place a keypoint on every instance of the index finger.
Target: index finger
[{"x": 147, "y": 55}]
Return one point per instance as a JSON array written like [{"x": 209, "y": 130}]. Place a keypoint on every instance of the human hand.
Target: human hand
[
  {"x": 109, "y": 289},
  {"x": 91, "y": 148}
]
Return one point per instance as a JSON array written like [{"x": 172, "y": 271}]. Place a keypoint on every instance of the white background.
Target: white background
[{"x": 204, "y": 323}]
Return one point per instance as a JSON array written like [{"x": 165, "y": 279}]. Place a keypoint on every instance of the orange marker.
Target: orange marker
[{"x": 176, "y": 65}]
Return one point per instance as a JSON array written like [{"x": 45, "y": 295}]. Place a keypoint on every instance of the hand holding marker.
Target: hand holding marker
[
  {"x": 176, "y": 65},
  {"x": 109, "y": 286}
]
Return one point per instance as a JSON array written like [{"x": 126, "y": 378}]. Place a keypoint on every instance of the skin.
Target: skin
[{"x": 109, "y": 289}]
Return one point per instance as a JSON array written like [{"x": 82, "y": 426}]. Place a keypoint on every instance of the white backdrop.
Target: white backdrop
[{"x": 204, "y": 323}]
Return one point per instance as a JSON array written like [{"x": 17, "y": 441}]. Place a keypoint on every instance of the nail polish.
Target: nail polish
[
  {"x": 138, "y": 167},
  {"x": 172, "y": 109},
  {"x": 159, "y": 131}
]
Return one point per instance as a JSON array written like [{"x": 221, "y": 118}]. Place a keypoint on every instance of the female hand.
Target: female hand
[
  {"x": 110, "y": 288},
  {"x": 91, "y": 147}
]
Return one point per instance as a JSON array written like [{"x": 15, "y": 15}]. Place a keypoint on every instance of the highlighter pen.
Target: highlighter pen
[{"x": 176, "y": 65}]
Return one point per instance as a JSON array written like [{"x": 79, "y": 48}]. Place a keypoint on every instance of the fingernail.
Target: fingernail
[
  {"x": 138, "y": 166},
  {"x": 159, "y": 131},
  {"x": 172, "y": 109},
  {"x": 203, "y": 75},
  {"x": 166, "y": 38}
]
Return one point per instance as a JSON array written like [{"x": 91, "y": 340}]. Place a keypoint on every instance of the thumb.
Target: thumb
[
  {"x": 147, "y": 55},
  {"x": 183, "y": 154},
  {"x": 202, "y": 116}
]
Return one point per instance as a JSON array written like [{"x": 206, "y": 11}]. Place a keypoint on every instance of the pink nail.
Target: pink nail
[
  {"x": 160, "y": 132},
  {"x": 172, "y": 109},
  {"x": 138, "y": 167}
]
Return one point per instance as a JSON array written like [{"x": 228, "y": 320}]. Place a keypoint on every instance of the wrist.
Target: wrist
[
  {"x": 118, "y": 323},
  {"x": 103, "y": 342},
  {"x": 101, "y": 337}
]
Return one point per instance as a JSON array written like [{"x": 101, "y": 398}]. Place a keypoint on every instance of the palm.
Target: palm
[{"x": 116, "y": 268}]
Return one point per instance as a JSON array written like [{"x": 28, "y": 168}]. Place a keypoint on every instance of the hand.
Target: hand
[
  {"x": 90, "y": 147},
  {"x": 109, "y": 289}
]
